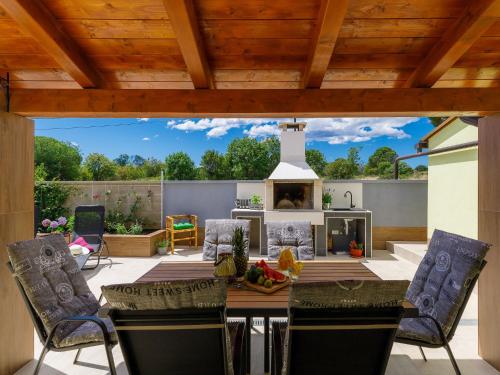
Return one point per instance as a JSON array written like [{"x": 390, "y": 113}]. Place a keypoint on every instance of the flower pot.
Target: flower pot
[
  {"x": 356, "y": 253},
  {"x": 326, "y": 206},
  {"x": 162, "y": 250}
]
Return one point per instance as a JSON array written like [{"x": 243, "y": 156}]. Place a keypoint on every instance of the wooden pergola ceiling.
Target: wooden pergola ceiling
[{"x": 251, "y": 45}]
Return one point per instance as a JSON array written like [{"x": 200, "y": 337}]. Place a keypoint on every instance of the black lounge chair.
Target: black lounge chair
[
  {"x": 340, "y": 328},
  {"x": 89, "y": 224},
  {"x": 440, "y": 290},
  {"x": 165, "y": 336},
  {"x": 69, "y": 332}
]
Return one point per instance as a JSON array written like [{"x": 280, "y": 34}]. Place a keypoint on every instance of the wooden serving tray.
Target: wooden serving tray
[{"x": 263, "y": 289}]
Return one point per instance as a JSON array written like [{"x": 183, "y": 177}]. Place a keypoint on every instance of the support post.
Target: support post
[
  {"x": 16, "y": 224},
  {"x": 489, "y": 231}
]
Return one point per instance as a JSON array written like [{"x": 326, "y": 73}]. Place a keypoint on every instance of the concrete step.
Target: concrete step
[{"x": 411, "y": 251}]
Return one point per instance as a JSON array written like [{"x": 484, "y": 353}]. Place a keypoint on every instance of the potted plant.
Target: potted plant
[
  {"x": 356, "y": 249},
  {"x": 327, "y": 200},
  {"x": 60, "y": 225},
  {"x": 256, "y": 202},
  {"x": 161, "y": 246}
]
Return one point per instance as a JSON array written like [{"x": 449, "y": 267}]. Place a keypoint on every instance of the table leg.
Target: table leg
[
  {"x": 266, "y": 345},
  {"x": 248, "y": 339}
]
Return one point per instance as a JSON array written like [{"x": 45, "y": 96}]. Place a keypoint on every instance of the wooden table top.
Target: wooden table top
[{"x": 243, "y": 300}]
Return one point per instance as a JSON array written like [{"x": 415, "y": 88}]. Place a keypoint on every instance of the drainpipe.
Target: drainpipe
[{"x": 432, "y": 152}]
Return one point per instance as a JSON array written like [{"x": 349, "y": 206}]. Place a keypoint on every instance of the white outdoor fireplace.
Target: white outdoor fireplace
[{"x": 293, "y": 190}]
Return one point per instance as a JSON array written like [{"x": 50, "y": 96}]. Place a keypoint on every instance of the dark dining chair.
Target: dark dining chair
[
  {"x": 64, "y": 310},
  {"x": 177, "y": 327},
  {"x": 89, "y": 224},
  {"x": 441, "y": 289},
  {"x": 342, "y": 328}
]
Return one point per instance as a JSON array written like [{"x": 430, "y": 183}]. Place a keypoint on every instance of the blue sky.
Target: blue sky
[{"x": 159, "y": 137}]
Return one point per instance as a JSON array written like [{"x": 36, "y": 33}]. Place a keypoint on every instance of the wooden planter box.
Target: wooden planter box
[{"x": 131, "y": 245}]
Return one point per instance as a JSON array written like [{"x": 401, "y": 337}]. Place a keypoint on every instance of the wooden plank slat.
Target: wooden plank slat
[
  {"x": 37, "y": 21},
  {"x": 183, "y": 19},
  {"x": 87, "y": 28},
  {"x": 477, "y": 18},
  {"x": 109, "y": 9},
  {"x": 257, "y": 9},
  {"x": 330, "y": 19},
  {"x": 375, "y": 61},
  {"x": 255, "y": 103}
]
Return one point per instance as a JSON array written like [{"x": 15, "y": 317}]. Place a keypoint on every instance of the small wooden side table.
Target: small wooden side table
[{"x": 171, "y": 232}]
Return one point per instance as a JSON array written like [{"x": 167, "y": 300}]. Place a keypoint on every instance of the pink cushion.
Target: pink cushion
[{"x": 81, "y": 241}]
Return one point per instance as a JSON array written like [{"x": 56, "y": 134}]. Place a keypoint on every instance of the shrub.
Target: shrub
[
  {"x": 135, "y": 228},
  {"x": 121, "y": 229},
  {"x": 51, "y": 197}
]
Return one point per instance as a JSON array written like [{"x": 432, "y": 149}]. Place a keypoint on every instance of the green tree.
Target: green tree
[
  {"x": 213, "y": 166},
  {"x": 129, "y": 172},
  {"x": 386, "y": 170},
  {"x": 122, "y": 160},
  {"x": 99, "y": 168},
  {"x": 137, "y": 160},
  {"x": 273, "y": 148},
  {"x": 61, "y": 159},
  {"x": 40, "y": 173},
  {"x": 316, "y": 161},
  {"x": 436, "y": 121},
  {"x": 152, "y": 168},
  {"x": 340, "y": 169},
  {"x": 354, "y": 159},
  {"x": 421, "y": 168},
  {"x": 376, "y": 165},
  {"x": 248, "y": 159},
  {"x": 179, "y": 166}
]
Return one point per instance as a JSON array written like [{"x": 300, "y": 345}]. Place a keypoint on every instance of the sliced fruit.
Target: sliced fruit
[{"x": 268, "y": 284}]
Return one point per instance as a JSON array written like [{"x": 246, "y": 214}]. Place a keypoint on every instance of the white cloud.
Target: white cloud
[
  {"x": 257, "y": 131},
  {"x": 143, "y": 119},
  {"x": 331, "y": 130},
  {"x": 74, "y": 144},
  {"x": 217, "y": 127},
  {"x": 146, "y": 139}
]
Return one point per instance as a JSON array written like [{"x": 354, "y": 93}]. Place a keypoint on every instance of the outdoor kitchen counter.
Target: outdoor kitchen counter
[{"x": 320, "y": 237}]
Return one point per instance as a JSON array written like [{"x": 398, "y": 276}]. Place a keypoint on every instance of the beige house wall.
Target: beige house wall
[{"x": 453, "y": 182}]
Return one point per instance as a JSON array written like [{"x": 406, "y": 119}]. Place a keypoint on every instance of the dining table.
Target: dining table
[{"x": 248, "y": 303}]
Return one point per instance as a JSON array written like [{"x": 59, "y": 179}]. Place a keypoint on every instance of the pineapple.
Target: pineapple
[{"x": 240, "y": 259}]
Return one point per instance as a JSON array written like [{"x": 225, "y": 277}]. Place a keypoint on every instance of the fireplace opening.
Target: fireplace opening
[{"x": 293, "y": 196}]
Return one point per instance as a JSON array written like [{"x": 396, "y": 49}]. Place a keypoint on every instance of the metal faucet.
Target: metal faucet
[{"x": 345, "y": 196}]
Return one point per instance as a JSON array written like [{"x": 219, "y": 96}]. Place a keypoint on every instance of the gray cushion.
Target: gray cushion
[
  {"x": 88, "y": 332},
  {"x": 219, "y": 235},
  {"x": 53, "y": 282},
  {"x": 176, "y": 294},
  {"x": 348, "y": 294},
  {"x": 440, "y": 284},
  {"x": 296, "y": 235}
]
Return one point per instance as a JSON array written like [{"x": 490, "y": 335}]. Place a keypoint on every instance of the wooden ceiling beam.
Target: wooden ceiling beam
[
  {"x": 330, "y": 19},
  {"x": 256, "y": 103},
  {"x": 36, "y": 20},
  {"x": 183, "y": 19},
  {"x": 477, "y": 18}
]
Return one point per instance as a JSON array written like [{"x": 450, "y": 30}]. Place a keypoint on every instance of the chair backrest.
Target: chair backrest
[
  {"x": 446, "y": 277},
  {"x": 89, "y": 223},
  {"x": 345, "y": 327},
  {"x": 219, "y": 235},
  {"x": 37, "y": 323},
  {"x": 296, "y": 235},
  {"x": 51, "y": 283},
  {"x": 173, "y": 327}
]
